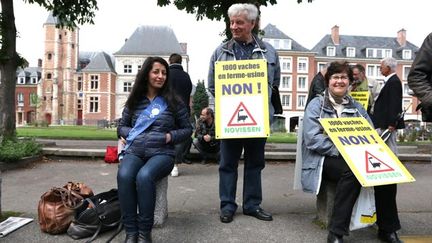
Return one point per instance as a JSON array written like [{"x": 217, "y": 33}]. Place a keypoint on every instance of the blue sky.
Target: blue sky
[{"x": 306, "y": 23}]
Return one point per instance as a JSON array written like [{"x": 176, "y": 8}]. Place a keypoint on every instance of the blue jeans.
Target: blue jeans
[
  {"x": 231, "y": 150},
  {"x": 136, "y": 181}
]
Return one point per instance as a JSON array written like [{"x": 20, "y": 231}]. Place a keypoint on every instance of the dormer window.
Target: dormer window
[
  {"x": 350, "y": 52},
  {"x": 406, "y": 54},
  {"x": 331, "y": 51},
  {"x": 33, "y": 80},
  {"x": 287, "y": 44},
  {"x": 378, "y": 53},
  {"x": 21, "y": 80}
]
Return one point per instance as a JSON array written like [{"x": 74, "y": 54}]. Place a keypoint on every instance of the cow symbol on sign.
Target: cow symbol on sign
[
  {"x": 241, "y": 117},
  {"x": 374, "y": 164}
]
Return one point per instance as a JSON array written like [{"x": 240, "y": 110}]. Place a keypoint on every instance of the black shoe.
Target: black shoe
[
  {"x": 391, "y": 237},
  {"x": 144, "y": 237},
  {"x": 131, "y": 238},
  {"x": 260, "y": 214},
  {"x": 226, "y": 217},
  {"x": 334, "y": 238},
  {"x": 186, "y": 161}
]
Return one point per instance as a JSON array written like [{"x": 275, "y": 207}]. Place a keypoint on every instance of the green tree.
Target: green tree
[
  {"x": 214, "y": 10},
  {"x": 69, "y": 13},
  {"x": 200, "y": 99}
]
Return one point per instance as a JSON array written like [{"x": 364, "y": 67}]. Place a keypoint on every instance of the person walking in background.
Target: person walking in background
[
  {"x": 243, "y": 45},
  {"x": 205, "y": 137},
  {"x": 385, "y": 115},
  {"x": 321, "y": 158},
  {"x": 317, "y": 86},
  {"x": 152, "y": 122},
  {"x": 420, "y": 78},
  {"x": 182, "y": 86}
]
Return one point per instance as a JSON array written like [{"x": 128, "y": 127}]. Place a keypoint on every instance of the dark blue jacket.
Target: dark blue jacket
[{"x": 152, "y": 141}]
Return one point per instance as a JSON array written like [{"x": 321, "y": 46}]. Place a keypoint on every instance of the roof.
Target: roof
[
  {"x": 29, "y": 72},
  {"x": 99, "y": 62},
  {"x": 51, "y": 19},
  {"x": 272, "y": 32},
  {"x": 151, "y": 40},
  {"x": 360, "y": 43}
]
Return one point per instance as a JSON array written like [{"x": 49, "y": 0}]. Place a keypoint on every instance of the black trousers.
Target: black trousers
[
  {"x": 336, "y": 170},
  {"x": 386, "y": 208}
]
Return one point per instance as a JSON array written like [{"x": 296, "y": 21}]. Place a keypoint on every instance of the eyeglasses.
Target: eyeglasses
[{"x": 339, "y": 77}]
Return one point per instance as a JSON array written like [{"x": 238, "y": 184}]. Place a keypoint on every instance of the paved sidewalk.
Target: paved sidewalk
[{"x": 193, "y": 204}]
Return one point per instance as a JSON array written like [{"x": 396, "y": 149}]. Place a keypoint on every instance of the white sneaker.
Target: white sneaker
[{"x": 174, "y": 171}]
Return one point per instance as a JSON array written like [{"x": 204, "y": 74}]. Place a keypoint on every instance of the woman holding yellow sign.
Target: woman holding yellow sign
[{"x": 321, "y": 159}]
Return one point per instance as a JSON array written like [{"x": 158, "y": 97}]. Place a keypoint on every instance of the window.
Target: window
[
  {"x": 49, "y": 56},
  {"x": 79, "y": 104},
  {"x": 285, "y": 63},
  {"x": 378, "y": 53},
  {"x": 406, "y": 54},
  {"x": 127, "y": 68},
  {"x": 302, "y": 83},
  {"x": 21, "y": 80},
  {"x": 302, "y": 64},
  {"x": 276, "y": 44},
  {"x": 405, "y": 72},
  {"x": 139, "y": 67},
  {"x": 60, "y": 36},
  {"x": 406, "y": 89},
  {"x": 331, "y": 51},
  {"x": 287, "y": 44},
  {"x": 286, "y": 82},
  {"x": 33, "y": 99},
  {"x": 94, "y": 104},
  {"x": 320, "y": 66},
  {"x": 20, "y": 99},
  {"x": 94, "y": 82},
  {"x": 127, "y": 87},
  {"x": 405, "y": 104},
  {"x": 286, "y": 100},
  {"x": 49, "y": 76},
  {"x": 373, "y": 70},
  {"x": 301, "y": 101},
  {"x": 79, "y": 84},
  {"x": 33, "y": 80},
  {"x": 350, "y": 52}
]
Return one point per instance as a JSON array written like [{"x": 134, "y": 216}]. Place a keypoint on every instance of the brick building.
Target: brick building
[{"x": 26, "y": 98}]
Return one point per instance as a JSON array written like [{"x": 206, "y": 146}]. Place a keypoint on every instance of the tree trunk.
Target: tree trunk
[{"x": 8, "y": 66}]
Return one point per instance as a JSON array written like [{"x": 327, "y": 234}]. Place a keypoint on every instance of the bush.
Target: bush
[{"x": 11, "y": 151}]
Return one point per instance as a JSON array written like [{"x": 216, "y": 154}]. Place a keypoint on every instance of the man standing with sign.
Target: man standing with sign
[
  {"x": 362, "y": 83},
  {"x": 385, "y": 115},
  {"x": 243, "y": 46}
]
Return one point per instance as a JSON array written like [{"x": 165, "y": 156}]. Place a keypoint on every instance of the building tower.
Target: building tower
[{"x": 57, "y": 89}]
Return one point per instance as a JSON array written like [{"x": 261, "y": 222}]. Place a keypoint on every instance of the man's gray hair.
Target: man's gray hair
[
  {"x": 390, "y": 62},
  {"x": 250, "y": 10}
]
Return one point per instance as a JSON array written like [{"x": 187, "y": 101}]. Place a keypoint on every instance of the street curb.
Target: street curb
[{"x": 269, "y": 155}]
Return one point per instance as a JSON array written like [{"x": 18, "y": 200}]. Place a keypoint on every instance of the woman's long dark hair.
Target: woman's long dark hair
[{"x": 140, "y": 87}]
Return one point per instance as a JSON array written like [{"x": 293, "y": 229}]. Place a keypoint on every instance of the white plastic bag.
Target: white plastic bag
[{"x": 364, "y": 212}]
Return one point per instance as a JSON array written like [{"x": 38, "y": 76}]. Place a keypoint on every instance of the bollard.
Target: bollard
[{"x": 161, "y": 205}]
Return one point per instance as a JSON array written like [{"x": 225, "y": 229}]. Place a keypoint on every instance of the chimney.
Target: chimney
[
  {"x": 39, "y": 63},
  {"x": 401, "y": 37},
  {"x": 183, "y": 47},
  {"x": 335, "y": 34}
]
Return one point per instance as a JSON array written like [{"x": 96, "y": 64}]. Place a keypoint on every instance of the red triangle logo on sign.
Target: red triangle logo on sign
[
  {"x": 242, "y": 117},
  {"x": 374, "y": 165}
]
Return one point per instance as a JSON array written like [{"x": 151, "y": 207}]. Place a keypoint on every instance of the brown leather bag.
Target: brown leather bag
[{"x": 56, "y": 206}]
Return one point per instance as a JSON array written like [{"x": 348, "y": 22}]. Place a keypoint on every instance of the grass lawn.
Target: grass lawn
[
  {"x": 95, "y": 133},
  {"x": 68, "y": 132}
]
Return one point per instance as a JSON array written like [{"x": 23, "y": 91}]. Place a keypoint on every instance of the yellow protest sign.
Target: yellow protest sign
[
  {"x": 368, "y": 157},
  {"x": 361, "y": 97},
  {"x": 241, "y": 99}
]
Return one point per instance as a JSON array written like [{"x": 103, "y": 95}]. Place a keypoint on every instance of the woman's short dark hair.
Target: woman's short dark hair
[
  {"x": 338, "y": 67},
  {"x": 140, "y": 87}
]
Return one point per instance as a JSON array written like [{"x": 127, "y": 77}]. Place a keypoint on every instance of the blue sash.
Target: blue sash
[{"x": 146, "y": 118}]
